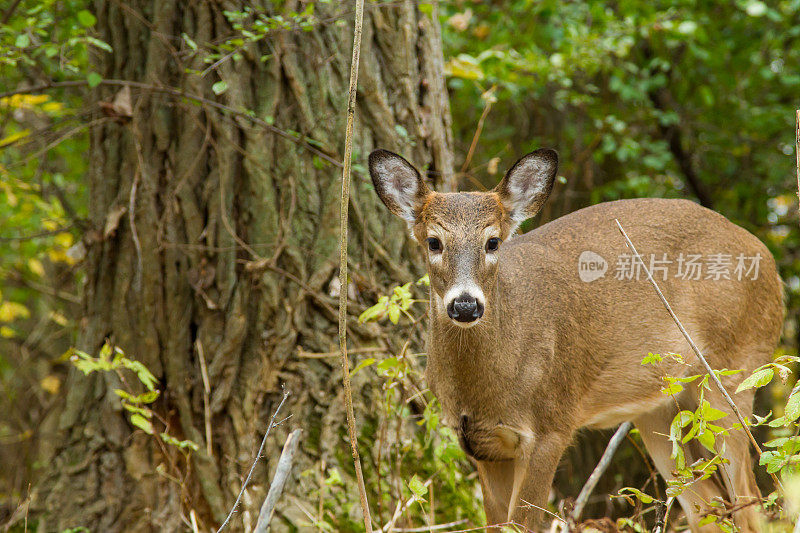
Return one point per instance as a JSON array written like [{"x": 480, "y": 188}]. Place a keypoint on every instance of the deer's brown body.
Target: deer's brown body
[{"x": 550, "y": 353}]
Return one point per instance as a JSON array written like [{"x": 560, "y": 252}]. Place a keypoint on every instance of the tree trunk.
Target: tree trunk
[{"x": 214, "y": 240}]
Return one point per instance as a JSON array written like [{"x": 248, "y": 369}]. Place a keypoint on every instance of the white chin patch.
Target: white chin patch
[{"x": 465, "y": 325}]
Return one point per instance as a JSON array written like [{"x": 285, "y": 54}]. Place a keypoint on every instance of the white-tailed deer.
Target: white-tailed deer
[{"x": 535, "y": 336}]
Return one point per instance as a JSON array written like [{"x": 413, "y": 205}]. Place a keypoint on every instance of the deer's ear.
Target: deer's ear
[
  {"x": 527, "y": 185},
  {"x": 398, "y": 184}
]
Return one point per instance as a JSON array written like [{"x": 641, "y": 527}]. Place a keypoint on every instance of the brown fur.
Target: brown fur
[{"x": 552, "y": 353}]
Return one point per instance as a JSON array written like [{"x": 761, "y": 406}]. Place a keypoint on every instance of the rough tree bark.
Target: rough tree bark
[{"x": 211, "y": 235}]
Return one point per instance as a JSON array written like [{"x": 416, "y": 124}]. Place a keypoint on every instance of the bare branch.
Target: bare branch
[
  {"x": 278, "y": 481},
  {"x": 599, "y": 470},
  {"x": 272, "y": 424}
]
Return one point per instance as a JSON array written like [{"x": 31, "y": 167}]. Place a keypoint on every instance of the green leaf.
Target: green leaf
[
  {"x": 464, "y": 66},
  {"x": 86, "y": 19},
  {"x": 775, "y": 443},
  {"x": 93, "y": 79},
  {"x": 641, "y": 496},
  {"x": 792, "y": 410},
  {"x": 182, "y": 444},
  {"x": 189, "y": 42},
  {"x": 706, "y": 438},
  {"x": 220, "y": 87},
  {"x": 711, "y": 414},
  {"x": 148, "y": 397},
  {"x": 394, "y": 313},
  {"x": 334, "y": 477},
  {"x": 122, "y": 394},
  {"x": 99, "y": 44},
  {"x": 710, "y": 519},
  {"x": 672, "y": 388},
  {"x": 144, "y": 375},
  {"x": 652, "y": 358},
  {"x": 376, "y": 312},
  {"x": 363, "y": 364},
  {"x": 142, "y": 423},
  {"x": 417, "y": 486},
  {"x": 778, "y": 422},
  {"x": 147, "y": 413},
  {"x": 22, "y": 40},
  {"x": 757, "y": 379}
]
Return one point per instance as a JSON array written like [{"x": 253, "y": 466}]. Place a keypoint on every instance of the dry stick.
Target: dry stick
[
  {"x": 206, "y": 395},
  {"x": 255, "y": 461},
  {"x": 345, "y": 204},
  {"x": 478, "y": 130},
  {"x": 278, "y": 481},
  {"x": 599, "y": 470},
  {"x": 696, "y": 350}
]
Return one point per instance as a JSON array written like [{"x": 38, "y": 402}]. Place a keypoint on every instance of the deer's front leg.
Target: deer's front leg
[
  {"x": 533, "y": 478},
  {"x": 516, "y": 490}
]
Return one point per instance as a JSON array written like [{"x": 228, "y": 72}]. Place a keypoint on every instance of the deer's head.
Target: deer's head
[{"x": 463, "y": 233}]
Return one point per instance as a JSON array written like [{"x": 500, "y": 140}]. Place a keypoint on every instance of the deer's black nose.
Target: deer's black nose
[{"x": 465, "y": 308}]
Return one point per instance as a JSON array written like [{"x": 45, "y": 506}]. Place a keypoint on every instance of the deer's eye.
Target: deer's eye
[
  {"x": 434, "y": 244},
  {"x": 492, "y": 244}
]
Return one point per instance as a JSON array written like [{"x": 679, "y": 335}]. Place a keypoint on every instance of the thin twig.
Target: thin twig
[
  {"x": 278, "y": 481},
  {"x": 489, "y": 99},
  {"x": 272, "y": 424},
  {"x": 206, "y": 394},
  {"x": 696, "y": 350},
  {"x": 599, "y": 470},
  {"x": 547, "y": 511},
  {"x": 343, "y": 218}
]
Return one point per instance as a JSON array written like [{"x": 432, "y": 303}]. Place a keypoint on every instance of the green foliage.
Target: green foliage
[
  {"x": 113, "y": 359},
  {"x": 706, "y": 426},
  {"x": 43, "y": 144},
  {"x": 399, "y": 301}
]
